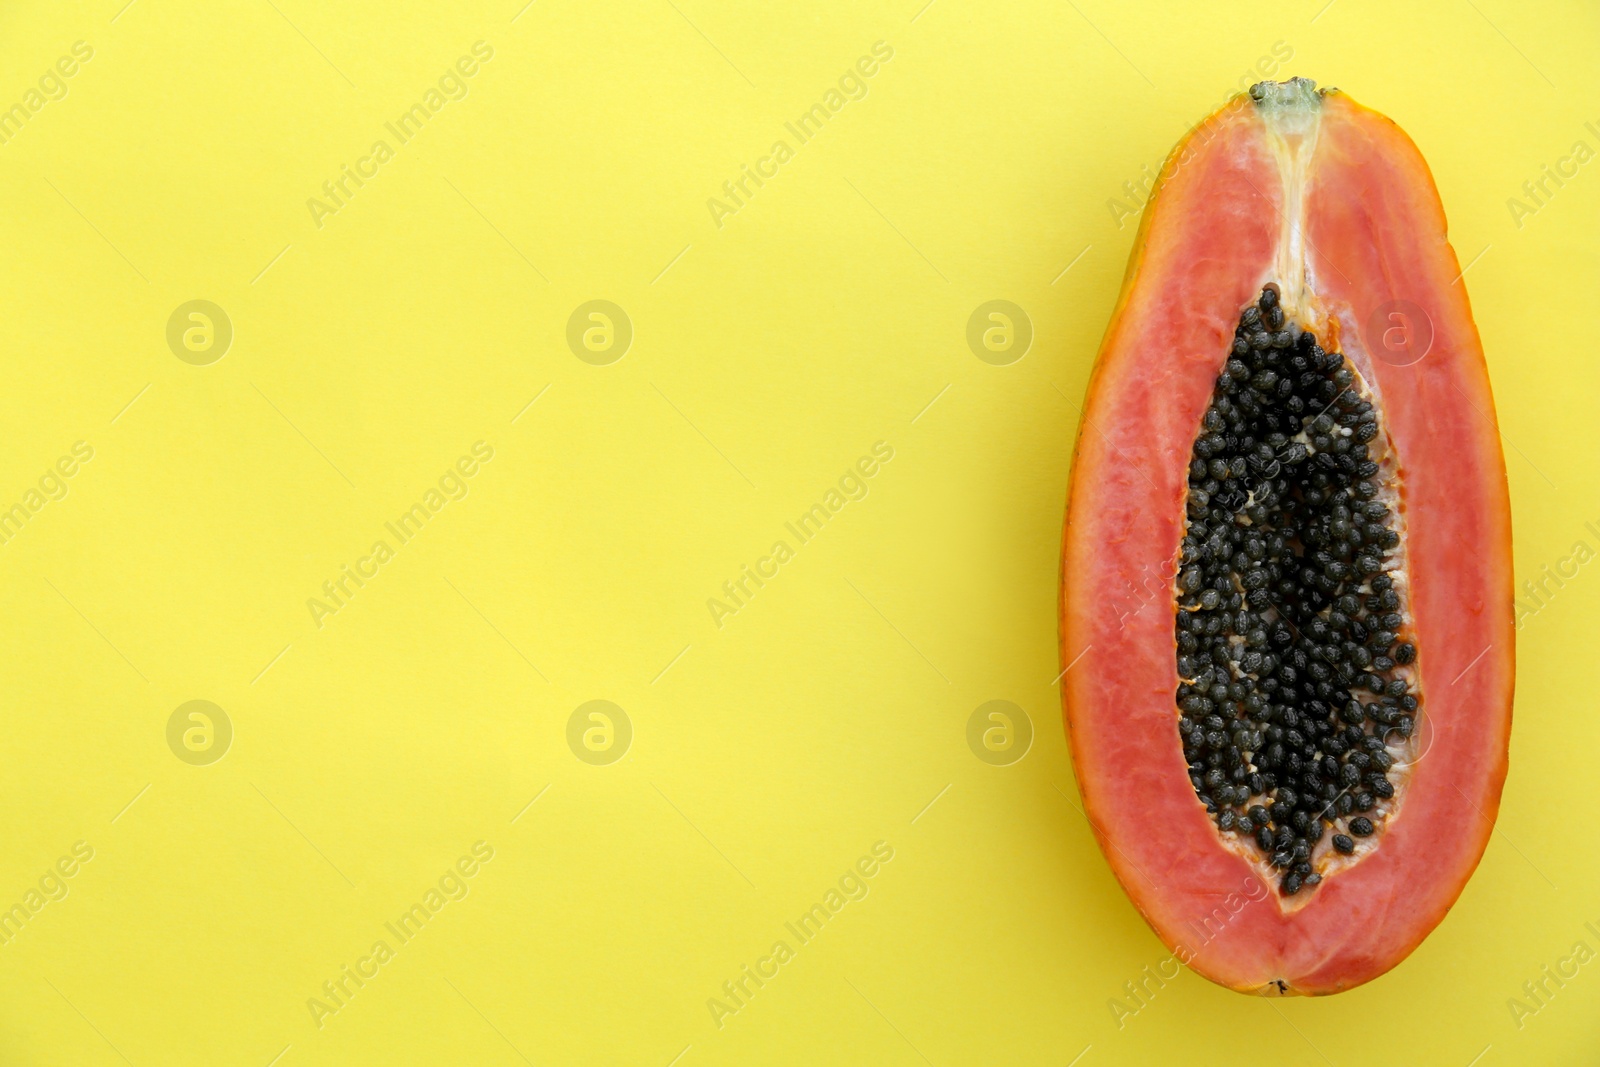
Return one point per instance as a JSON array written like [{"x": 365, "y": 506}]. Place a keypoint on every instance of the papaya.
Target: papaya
[{"x": 1286, "y": 591}]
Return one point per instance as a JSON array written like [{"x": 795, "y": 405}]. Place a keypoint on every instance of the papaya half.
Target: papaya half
[{"x": 1286, "y": 593}]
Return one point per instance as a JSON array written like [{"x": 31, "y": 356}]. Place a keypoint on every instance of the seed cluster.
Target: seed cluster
[{"x": 1288, "y": 624}]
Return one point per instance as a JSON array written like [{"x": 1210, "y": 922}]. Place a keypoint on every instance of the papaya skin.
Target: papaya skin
[{"x": 1211, "y": 233}]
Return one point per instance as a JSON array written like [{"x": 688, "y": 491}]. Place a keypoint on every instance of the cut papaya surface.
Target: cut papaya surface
[{"x": 1286, "y": 611}]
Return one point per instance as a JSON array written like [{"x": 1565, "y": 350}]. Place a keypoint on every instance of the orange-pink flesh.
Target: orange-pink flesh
[{"x": 1373, "y": 234}]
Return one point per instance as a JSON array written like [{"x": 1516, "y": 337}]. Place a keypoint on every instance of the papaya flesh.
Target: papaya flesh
[{"x": 1305, "y": 208}]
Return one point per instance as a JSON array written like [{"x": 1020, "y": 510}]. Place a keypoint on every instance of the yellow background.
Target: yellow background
[{"x": 768, "y": 355}]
